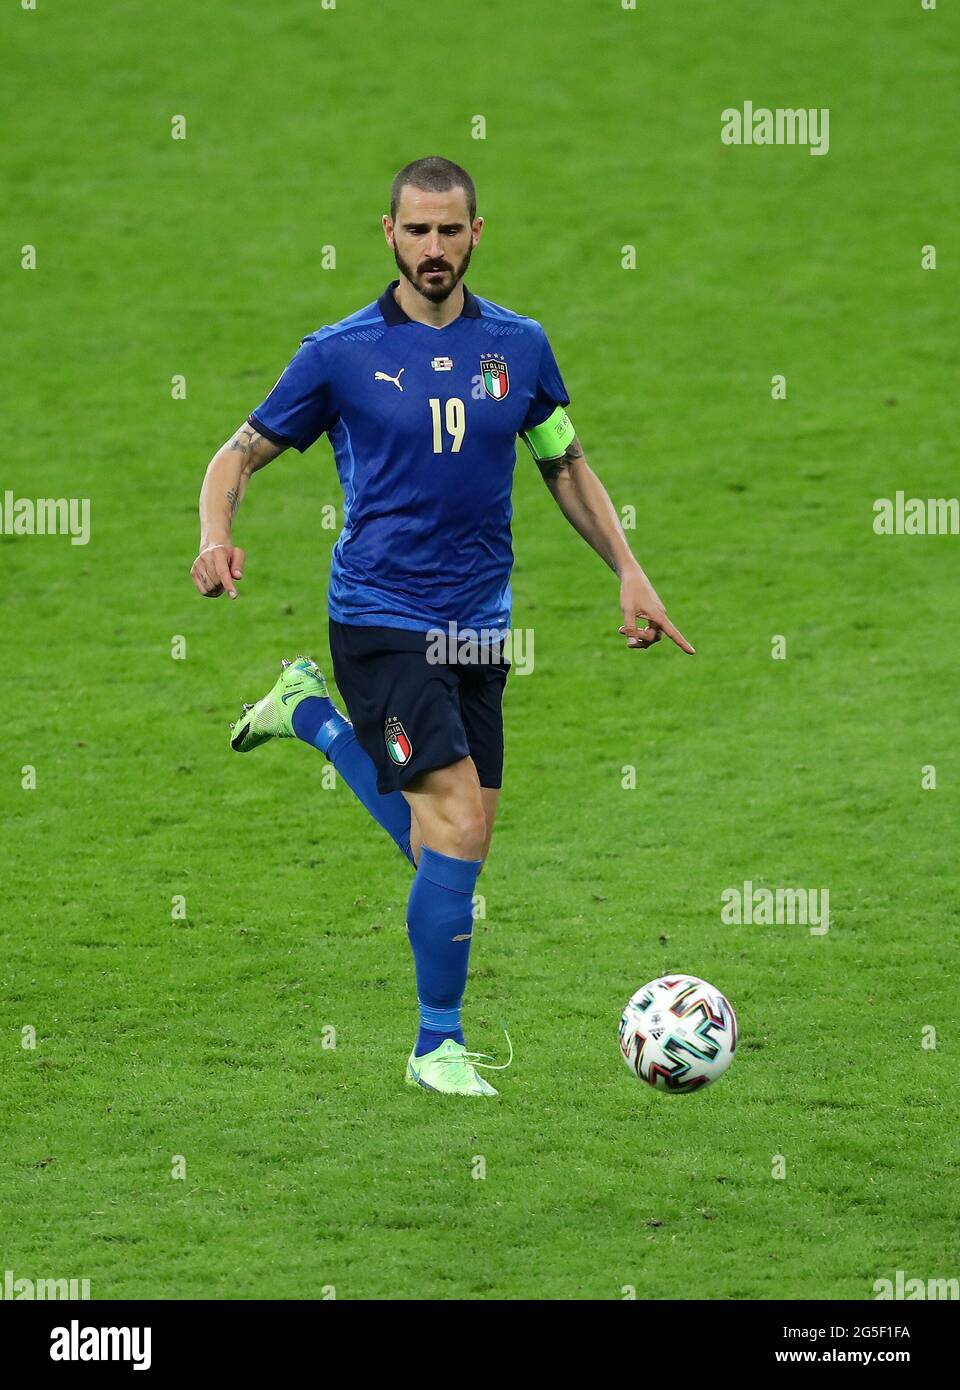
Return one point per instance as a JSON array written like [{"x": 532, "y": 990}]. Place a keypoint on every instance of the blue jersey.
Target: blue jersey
[{"x": 424, "y": 424}]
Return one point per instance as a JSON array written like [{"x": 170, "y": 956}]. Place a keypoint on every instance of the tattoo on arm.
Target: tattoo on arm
[
  {"x": 245, "y": 441},
  {"x": 552, "y": 468},
  {"x": 255, "y": 450},
  {"x": 233, "y": 497}
]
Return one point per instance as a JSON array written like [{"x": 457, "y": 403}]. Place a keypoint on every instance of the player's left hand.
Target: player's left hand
[{"x": 639, "y": 599}]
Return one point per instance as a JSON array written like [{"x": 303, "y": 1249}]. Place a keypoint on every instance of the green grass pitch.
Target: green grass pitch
[{"x": 310, "y": 1168}]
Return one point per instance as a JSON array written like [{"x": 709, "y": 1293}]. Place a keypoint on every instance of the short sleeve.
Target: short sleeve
[
  {"x": 549, "y": 391},
  {"x": 299, "y": 408}
]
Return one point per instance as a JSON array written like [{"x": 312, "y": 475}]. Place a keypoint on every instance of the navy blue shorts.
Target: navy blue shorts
[{"x": 411, "y": 714}]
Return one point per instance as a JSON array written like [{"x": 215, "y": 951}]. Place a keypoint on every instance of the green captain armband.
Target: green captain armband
[{"x": 549, "y": 440}]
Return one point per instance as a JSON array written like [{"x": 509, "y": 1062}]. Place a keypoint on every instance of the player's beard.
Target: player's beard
[{"x": 434, "y": 290}]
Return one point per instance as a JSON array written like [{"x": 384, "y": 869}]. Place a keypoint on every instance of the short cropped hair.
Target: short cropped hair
[{"x": 433, "y": 175}]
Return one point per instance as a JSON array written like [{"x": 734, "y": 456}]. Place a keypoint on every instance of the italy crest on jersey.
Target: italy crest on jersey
[
  {"x": 398, "y": 745},
  {"x": 496, "y": 378}
]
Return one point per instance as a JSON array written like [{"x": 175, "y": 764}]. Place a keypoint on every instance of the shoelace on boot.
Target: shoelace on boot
[{"x": 474, "y": 1057}]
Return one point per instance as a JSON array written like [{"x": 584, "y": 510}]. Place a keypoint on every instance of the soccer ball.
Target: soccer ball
[{"x": 678, "y": 1033}]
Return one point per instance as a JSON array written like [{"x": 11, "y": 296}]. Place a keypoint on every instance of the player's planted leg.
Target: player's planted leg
[{"x": 450, "y": 810}]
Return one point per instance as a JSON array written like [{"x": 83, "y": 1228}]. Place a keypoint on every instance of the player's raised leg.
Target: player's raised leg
[{"x": 298, "y": 706}]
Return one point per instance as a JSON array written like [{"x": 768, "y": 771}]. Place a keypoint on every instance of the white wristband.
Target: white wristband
[{"x": 221, "y": 545}]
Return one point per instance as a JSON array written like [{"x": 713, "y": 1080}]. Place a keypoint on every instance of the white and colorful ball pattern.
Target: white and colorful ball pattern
[{"x": 678, "y": 1033}]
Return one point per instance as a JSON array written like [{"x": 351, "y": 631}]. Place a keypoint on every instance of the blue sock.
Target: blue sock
[
  {"x": 440, "y": 925},
  {"x": 320, "y": 723}
]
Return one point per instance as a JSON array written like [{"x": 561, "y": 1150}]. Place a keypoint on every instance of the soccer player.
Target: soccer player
[{"x": 422, "y": 393}]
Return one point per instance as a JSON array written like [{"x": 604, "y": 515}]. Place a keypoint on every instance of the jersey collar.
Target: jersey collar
[{"x": 393, "y": 314}]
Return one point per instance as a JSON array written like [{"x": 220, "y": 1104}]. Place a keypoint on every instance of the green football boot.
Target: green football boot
[
  {"x": 272, "y": 717},
  {"x": 451, "y": 1069}
]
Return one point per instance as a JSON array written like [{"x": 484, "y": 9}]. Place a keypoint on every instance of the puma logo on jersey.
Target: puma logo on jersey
[{"x": 382, "y": 376}]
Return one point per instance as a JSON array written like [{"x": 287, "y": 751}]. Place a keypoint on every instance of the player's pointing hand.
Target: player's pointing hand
[
  {"x": 216, "y": 570},
  {"x": 638, "y": 598}
]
